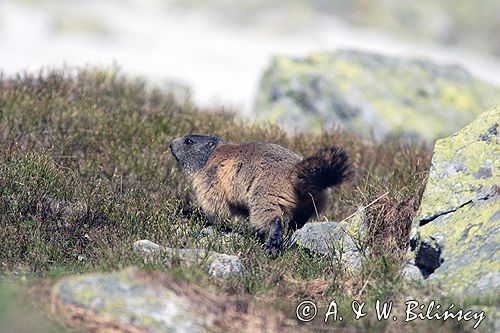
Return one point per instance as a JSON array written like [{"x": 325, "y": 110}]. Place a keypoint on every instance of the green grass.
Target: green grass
[{"x": 85, "y": 171}]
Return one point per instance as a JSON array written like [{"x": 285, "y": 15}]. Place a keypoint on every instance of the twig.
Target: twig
[
  {"x": 365, "y": 284},
  {"x": 314, "y": 204},
  {"x": 362, "y": 209}
]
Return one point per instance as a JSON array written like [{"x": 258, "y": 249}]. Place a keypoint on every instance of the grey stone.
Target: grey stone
[
  {"x": 218, "y": 265},
  {"x": 330, "y": 238},
  {"x": 124, "y": 298},
  {"x": 456, "y": 235},
  {"x": 208, "y": 232},
  {"x": 146, "y": 247},
  {"x": 372, "y": 95},
  {"x": 412, "y": 272}
]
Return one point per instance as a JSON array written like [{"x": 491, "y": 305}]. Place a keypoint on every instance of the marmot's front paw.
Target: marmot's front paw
[{"x": 275, "y": 239}]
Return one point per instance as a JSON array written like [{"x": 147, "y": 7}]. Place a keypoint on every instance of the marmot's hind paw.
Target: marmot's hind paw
[{"x": 275, "y": 239}]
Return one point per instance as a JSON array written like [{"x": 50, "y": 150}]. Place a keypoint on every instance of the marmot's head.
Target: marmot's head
[{"x": 192, "y": 151}]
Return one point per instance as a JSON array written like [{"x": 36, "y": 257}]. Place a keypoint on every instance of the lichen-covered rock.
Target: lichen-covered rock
[
  {"x": 372, "y": 95},
  {"x": 215, "y": 264},
  {"x": 411, "y": 272},
  {"x": 128, "y": 301},
  {"x": 456, "y": 235},
  {"x": 343, "y": 241}
]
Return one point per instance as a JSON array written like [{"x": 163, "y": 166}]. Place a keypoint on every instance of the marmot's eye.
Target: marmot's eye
[{"x": 188, "y": 141}]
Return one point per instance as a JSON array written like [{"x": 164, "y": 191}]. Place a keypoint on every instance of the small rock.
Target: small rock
[
  {"x": 146, "y": 247},
  {"x": 208, "y": 232},
  {"x": 412, "y": 272},
  {"x": 215, "y": 264},
  {"x": 224, "y": 266},
  {"x": 332, "y": 238}
]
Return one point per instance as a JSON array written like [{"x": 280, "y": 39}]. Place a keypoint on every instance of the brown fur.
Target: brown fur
[
  {"x": 264, "y": 181},
  {"x": 255, "y": 179}
]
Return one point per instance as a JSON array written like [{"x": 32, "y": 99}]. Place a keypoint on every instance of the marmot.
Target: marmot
[{"x": 264, "y": 181}]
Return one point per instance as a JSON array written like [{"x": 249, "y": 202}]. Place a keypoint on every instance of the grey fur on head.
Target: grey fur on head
[{"x": 193, "y": 151}]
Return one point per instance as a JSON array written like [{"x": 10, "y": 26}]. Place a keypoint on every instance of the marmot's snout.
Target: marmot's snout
[
  {"x": 192, "y": 151},
  {"x": 174, "y": 146}
]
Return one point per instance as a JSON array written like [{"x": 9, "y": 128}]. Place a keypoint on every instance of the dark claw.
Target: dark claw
[
  {"x": 275, "y": 239},
  {"x": 210, "y": 219}
]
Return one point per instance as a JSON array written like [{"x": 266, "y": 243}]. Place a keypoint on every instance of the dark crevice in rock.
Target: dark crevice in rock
[
  {"x": 428, "y": 258},
  {"x": 413, "y": 243},
  {"x": 423, "y": 222},
  {"x": 433, "y": 217}
]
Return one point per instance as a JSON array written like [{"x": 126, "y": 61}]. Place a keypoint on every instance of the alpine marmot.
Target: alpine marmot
[{"x": 264, "y": 181}]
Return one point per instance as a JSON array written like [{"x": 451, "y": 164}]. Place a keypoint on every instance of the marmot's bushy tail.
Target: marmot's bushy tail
[{"x": 328, "y": 167}]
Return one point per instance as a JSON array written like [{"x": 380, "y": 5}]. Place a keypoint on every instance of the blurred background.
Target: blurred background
[
  {"x": 219, "y": 48},
  {"x": 241, "y": 54}
]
